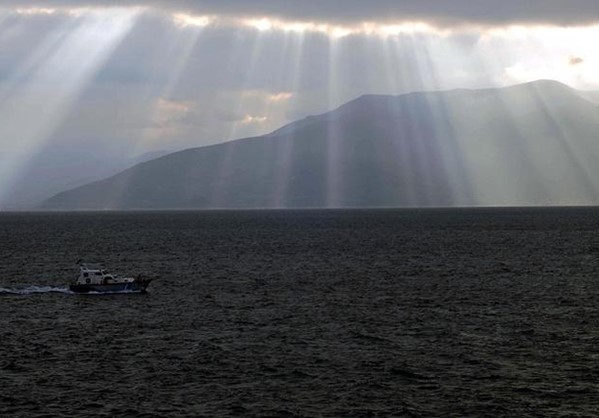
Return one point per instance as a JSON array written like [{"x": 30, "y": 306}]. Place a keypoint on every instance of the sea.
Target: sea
[{"x": 490, "y": 312}]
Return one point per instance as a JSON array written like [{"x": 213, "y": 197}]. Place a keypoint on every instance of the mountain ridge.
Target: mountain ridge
[{"x": 419, "y": 149}]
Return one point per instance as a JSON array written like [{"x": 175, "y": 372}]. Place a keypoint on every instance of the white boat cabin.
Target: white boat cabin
[{"x": 95, "y": 274}]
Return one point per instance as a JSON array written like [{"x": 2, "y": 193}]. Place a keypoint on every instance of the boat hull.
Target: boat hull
[{"x": 133, "y": 287}]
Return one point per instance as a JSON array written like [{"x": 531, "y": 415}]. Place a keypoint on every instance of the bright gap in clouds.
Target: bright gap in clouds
[
  {"x": 333, "y": 30},
  {"x": 567, "y": 54},
  {"x": 524, "y": 52}
]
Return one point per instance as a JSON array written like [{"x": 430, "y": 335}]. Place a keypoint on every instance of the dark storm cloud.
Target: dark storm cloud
[{"x": 441, "y": 12}]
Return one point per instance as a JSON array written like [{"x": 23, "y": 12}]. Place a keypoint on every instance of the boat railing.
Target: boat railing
[{"x": 91, "y": 266}]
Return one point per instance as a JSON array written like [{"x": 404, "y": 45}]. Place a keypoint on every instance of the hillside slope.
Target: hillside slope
[{"x": 531, "y": 144}]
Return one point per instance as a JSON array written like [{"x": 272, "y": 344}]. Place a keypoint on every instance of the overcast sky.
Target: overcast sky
[
  {"x": 86, "y": 76},
  {"x": 561, "y": 12}
]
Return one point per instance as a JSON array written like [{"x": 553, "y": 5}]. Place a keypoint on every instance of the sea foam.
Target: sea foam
[{"x": 32, "y": 290}]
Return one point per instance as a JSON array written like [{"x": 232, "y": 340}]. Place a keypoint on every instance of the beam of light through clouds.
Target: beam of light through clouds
[
  {"x": 29, "y": 115},
  {"x": 167, "y": 112},
  {"x": 170, "y": 75},
  {"x": 289, "y": 80},
  {"x": 334, "y": 135}
]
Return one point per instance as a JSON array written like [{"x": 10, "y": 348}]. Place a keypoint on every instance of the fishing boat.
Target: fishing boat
[{"x": 93, "y": 278}]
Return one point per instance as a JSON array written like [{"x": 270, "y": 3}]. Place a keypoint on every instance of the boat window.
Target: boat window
[
  {"x": 85, "y": 274},
  {"x": 97, "y": 273}
]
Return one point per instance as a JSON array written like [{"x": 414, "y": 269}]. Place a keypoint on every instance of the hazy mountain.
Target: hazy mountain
[
  {"x": 53, "y": 171},
  {"x": 592, "y": 96},
  {"x": 531, "y": 144}
]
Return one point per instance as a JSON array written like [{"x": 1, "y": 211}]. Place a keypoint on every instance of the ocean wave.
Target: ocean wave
[
  {"x": 33, "y": 290},
  {"x": 114, "y": 292}
]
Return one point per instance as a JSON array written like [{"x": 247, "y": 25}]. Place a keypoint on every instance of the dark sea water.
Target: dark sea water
[{"x": 489, "y": 312}]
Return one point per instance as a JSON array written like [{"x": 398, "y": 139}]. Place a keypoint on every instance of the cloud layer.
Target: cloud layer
[{"x": 436, "y": 12}]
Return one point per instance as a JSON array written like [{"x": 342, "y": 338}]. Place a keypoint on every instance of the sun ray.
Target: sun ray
[
  {"x": 71, "y": 65},
  {"x": 445, "y": 148},
  {"x": 285, "y": 144},
  {"x": 401, "y": 163},
  {"x": 225, "y": 164},
  {"x": 584, "y": 161},
  {"x": 26, "y": 70},
  {"x": 543, "y": 155},
  {"x": 178, "y": 50},
  {"x": 270, "y": 77},
  {"x": 419, "y": 150},
  {"x": 334, "y": 135}
]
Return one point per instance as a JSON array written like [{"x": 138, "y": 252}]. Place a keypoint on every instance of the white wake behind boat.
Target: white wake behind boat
[{"x": 93, "y": 278}]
